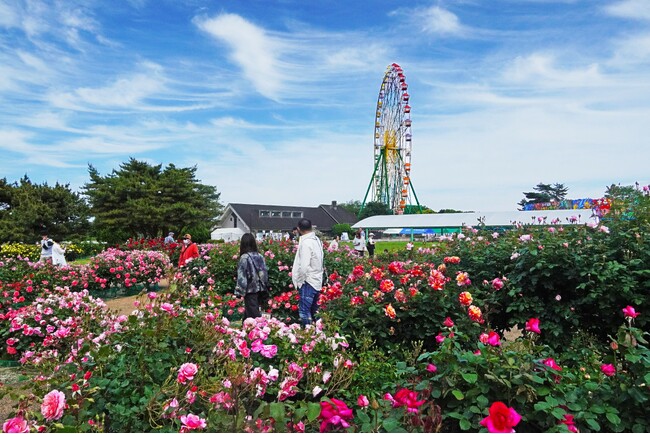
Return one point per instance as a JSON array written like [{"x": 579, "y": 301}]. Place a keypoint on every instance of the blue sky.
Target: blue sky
[{"x": 274, "y": 101}]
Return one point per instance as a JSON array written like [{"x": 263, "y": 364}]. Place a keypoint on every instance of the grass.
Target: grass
[
  {"x": 80, "y": 261},
  {"x": 394, "y": 246}
]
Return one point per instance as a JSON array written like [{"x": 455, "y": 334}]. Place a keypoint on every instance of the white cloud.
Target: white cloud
[
  {"x": 357, "y": 57},
  {"x": 440, "y": 21},
  {"x": 632, "y": 9},
  {"x": 128, "y": 92},
  {"x": 431, "y": 20},
  {"x": 8, "y": 16},
  {"x": 251, "y": 48},
  {"x": 32, "y": 61},
  {"x": 631, "y": 51},
  {"x": 541, "y": 70}
]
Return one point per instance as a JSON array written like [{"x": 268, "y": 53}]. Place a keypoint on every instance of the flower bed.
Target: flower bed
[{"x": 410, "y": 341}]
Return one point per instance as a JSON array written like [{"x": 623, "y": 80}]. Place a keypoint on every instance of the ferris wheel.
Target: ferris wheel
[{"x": 391, "y": 179}]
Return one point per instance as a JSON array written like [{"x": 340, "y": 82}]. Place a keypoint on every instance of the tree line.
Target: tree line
[{"x": 136, "y": 200}]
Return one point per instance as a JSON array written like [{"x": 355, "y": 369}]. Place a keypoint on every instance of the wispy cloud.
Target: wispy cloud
[
  {"x": 251, "y": 48},
  {"x": 631, "y": 51},
  {"x": 8, "y": 16},
  {"x": 128, "y": 92},
  {"x": 632, "y": 9},
  {"x": 433, "y": 20},
  {"x": 540, "y": 69},
  {"x": 440, "y": 21}
]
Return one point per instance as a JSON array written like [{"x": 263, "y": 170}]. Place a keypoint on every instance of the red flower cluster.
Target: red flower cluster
[{"x": 451, "y": 260}]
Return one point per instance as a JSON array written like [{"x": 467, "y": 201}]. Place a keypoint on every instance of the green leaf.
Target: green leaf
[
  {"x": 541, "y": 406},
  {"x": 465, "y": 425},
  {"x": 597, "y": 409},
  {"x": 593, "y": 424},
  {"x": 363, "y": 417},
  {"x": 470, "y": 377},
  {"x": 313, "y": 411},
  {"x": 277, "y": 411},
  {"x": 613, "y": 418},
  {"x": 392, "y": 425},
  {"x": 543, "y": 391},
  {"x": 538, "y": 379},
  {"x": 558, "y": 413},
  {"x": 458, "y": 394},
  {"x": 423, "y": 356}
]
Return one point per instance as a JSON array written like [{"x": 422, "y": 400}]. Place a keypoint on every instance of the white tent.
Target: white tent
[
  {"x": 227, "y": 234},
  {"x": 491, "y": 219}
]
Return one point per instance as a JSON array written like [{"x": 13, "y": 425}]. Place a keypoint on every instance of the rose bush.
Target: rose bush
[{"x": 425, "y": 328}]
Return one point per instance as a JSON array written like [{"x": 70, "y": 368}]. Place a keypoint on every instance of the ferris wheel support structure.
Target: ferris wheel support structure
[{"x": 390, "y": 183}]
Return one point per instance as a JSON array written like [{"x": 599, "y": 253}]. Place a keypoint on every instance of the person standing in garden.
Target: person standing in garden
[
  {"x": 58, "y": 255},
  {"x": 359, "y": 243},
  {"x": 371, "y": 245},
  {"x": 307, "y": 272},
  {"x": 189, "y": 251},
  {"x": 169, "y": 239},
  {"x": 252, "y": 277},
  {"x": 46, "y": 247}
]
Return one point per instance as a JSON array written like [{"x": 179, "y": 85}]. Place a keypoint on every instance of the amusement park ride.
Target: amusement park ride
[{"x": 391, "y": 178}]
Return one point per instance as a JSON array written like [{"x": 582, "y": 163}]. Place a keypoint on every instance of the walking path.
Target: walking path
[{"x": 124, "y": 305}]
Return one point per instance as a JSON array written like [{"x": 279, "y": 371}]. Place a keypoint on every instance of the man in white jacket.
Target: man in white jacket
[{"x": 307, "y": 272}]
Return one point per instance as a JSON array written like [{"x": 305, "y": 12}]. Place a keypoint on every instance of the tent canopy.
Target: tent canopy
[
  {"x": 227, "y": 234},
  {"x": 489, "y": 219}
]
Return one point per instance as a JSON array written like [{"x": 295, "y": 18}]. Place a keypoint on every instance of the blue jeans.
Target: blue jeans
[{"x": 308, "y": 305}]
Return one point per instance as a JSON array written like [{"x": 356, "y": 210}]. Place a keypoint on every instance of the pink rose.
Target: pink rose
[
  {"x": 448, "y": 322},
  {"x": 494, "y": 339},
  {"x": 186, "y": 372},
  {"x": 550, "y": 362},
  {"x": 431, "y": 367},
  {"x": 362, "y": 401},
  {"x": 407, "y": 398},
  {"x": 501, "y": 418},
  {"x": 192, "y": 422},
  {"x": 16, "y": 424},
  {"x": 53, "y": 405},
  {"x": 334, "y": 414},
  {"x": 532, "y": 325},
  {"x": 608, "y": 369},
  {"x": 630, "y": 312}
]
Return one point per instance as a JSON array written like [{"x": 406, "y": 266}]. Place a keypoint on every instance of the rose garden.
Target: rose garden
[{"x": 541, "y": 328}]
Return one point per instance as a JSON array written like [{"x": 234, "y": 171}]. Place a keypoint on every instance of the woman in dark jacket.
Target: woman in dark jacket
[{"x": 252, "y": 277}]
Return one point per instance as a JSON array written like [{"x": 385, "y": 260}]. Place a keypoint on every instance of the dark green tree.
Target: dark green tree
[
  {"x": 338, "y": 229},
  {"x": 450, "y": 211},
  {"x": 544, "y": 193},
  {"x": 352, "y": 206},
  {"x": 374, "y": 208},
  {"x": 27, "y": 208},
  {"x": 143, "y": 200}
]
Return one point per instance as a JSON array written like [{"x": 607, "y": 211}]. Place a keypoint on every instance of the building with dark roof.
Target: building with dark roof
[{"x": 281, "y": 218}]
